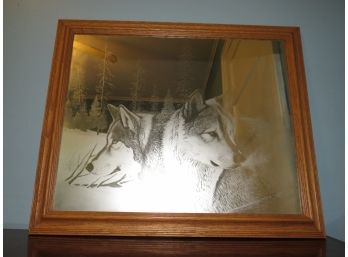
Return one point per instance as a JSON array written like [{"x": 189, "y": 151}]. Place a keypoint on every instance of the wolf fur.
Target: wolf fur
[
  {"x": 180, "y": 154},
  {"x": 188, "y": 150},
  {"x": 125, "y": 137}
]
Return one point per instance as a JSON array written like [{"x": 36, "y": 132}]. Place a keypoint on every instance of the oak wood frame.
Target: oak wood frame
[{"x": 309, "y": 224}]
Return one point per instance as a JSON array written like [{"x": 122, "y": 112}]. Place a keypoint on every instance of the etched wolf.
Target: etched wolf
[
  {"x": 188, "y": 150},
  {"x": 181, "y": 154},
  {"x": 124, "y": 142}
]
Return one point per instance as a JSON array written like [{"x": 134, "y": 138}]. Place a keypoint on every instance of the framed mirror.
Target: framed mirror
[{"x": 169, "y": 129}]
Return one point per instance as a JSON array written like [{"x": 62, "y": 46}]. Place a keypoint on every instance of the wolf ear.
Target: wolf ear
[
  {"x": 129, "y": 119},
  {"x": 215, "y": 101},
  {"x": 193, "y": 106},
  {"x": 114, "y": 112}
]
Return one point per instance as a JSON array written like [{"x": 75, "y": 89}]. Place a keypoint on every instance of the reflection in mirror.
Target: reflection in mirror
[{"x": 177, "y": 125}]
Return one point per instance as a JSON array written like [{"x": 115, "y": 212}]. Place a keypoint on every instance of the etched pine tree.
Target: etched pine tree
[
  {"x": 105, "y": 83},
  {"x": 155, "y": 105},
  {"x": 136, "y": 86},
  {"x": 97, "y": 116},
  {"x": 78, "y": 98},
  {"x": 81, "y": 119},
  {"x": 168, "y": 105},
  {"x": 68, "y": 115},
  {"x": 76, "y": 85}
]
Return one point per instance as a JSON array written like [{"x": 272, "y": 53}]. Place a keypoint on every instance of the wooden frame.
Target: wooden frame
[{"x": 45, "y": 220}]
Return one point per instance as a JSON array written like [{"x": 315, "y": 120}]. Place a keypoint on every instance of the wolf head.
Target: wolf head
[
  {"x": 122, "y": 138},
  {"x": 208, "y": 134}
]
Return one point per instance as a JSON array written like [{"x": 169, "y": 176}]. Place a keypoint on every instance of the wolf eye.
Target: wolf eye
[
  {"x": 213, "y": 134},
  {"x": 209, "y": 136}
]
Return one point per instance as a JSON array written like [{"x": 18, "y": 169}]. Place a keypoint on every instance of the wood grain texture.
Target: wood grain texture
[
  {"x": 46, "y": 221},
  {"x": 68, "y": 246},
  {"x": 17, "y": 243}
]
